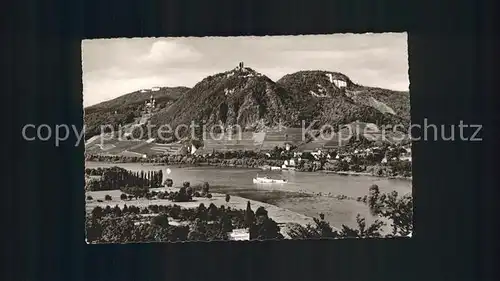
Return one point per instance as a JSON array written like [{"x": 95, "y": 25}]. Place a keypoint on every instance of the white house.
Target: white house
[
  {"x": 340, "y": 83},
  {"x": 239, "y": 234},
  {"x": 289, "y": 164},
  {"x": 316, "y": 153},
  {"x": 193, "y": 149},
  {"x": 405, "y": 158}
]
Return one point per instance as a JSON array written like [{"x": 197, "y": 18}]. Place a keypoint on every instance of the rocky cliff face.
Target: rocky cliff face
[{"x": 126, "y": 108}]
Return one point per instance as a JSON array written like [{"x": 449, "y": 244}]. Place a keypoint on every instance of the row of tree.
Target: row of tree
[
  {"x": 108, "y": 225},
  {"x": 117, "y": 178}
]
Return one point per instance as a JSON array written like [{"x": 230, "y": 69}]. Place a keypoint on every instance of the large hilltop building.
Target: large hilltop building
[
  {"x": 338, "y": 82},
  {"x": 240, "y": 66},
  {"x": 150, "y": 105}
]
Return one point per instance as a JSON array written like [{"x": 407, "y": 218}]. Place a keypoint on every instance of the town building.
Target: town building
[
  {"x": 290, "y": 164},
  {"x": 241, "y": 234}
]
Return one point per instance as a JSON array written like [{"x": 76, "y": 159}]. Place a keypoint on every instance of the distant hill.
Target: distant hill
[
  {"x": 387, "y": 101},
  {"x": 320, "y": 97},
  {"x": 161, "y": 94},
  {"x": 240, "y": 96},
  {"x": 247, "y": 98},
  {"x": 126, "y": 108}
]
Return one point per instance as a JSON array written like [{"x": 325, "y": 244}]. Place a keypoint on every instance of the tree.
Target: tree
[
  {"x": 197, "y": 231},
  {"x": 228, "y": 197},
  {"x": 160, "y": 220},
  {"x": 297, "y": 231},
  {"x": 400, "y": 212},
  {"x": 181, "y": 196},
  {"x": 117, "y": 211},
  {"x": 362, "y": 231},
  {"x": 160, "y": 176},
  {"x": 97, "y": 212},
  {"x": 373, "y": 199},
  {"x": 226, "y": 224},
  {"x": 265, "y": 228},
  {"x": 213, "y": 212},
  {"x": 189, "y": 191},
  {"x": 249, "y": 216},
  {"x": 202, "y": 212},
  {"x": 205, "y": 188},
  {"x": 169, "y": 182},
  {"x": 261, "y": 211},
  {"x": 93, "y": 229}
]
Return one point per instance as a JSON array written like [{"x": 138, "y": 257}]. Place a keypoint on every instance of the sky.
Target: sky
[{"x": 114, "y": 67}]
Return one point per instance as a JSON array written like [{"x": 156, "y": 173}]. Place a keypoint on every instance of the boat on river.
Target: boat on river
[{"x": 267, "y": 180}]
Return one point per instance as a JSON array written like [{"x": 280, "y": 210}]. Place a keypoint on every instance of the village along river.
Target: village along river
[{"x": 308, "y": 193}]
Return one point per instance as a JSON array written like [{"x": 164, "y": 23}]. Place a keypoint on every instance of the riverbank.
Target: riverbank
[
  {"x": 206, "y": 164},
  {"x": 351, "y": 173}
]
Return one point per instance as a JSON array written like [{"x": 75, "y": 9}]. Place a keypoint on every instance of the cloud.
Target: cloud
[
  {"x": 164, "y": 52},
  {"x": 336, "y": 55},
  {"x": 106, "y": 89},
  {"x": 118, "y": 66}
]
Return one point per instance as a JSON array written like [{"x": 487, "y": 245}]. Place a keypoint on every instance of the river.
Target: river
[{"x": 305, "y": 192}]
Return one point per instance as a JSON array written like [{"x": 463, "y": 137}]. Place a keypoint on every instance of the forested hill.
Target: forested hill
[
  {"x": 126, "y": 108},
  {"x": 252, "y": 100},
  {"x": 322, "y": 98}
]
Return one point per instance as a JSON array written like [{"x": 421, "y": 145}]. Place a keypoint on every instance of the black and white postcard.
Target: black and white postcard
[{"x": 247, "y": 138}]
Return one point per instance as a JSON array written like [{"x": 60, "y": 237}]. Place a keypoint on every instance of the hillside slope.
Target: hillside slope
[
  {"x": 240, "y": 96},
  {"x": 395, "y": 102},
  {"x": 244, "y": 97},
  {"x": 161, "y": 95},
  {"x": 320, "y": 97},
  {"x": 126, "y": 108}
]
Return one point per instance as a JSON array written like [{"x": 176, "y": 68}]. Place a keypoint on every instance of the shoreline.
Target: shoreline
[
  {"x": 341, "y": 173},
  {"x": 352, "y": 173}
]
